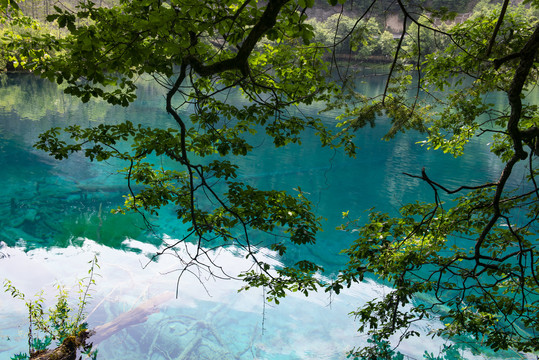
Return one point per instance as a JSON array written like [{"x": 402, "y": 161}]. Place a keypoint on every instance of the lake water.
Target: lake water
[{"x": 54, "y": 216}]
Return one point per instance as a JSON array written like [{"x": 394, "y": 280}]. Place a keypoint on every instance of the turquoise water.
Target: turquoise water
[{"x": 55, "y": 216}]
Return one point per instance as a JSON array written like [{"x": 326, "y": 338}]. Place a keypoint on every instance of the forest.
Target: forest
[
  {"x": 368, "y": 41},
  {"x": 466, "y": 249}
]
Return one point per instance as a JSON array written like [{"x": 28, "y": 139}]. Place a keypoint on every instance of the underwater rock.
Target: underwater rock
[{"x": 30, "y": 215}]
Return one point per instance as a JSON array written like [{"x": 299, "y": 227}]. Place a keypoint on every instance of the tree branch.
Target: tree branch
[
  {"x": 239, "y": 62},
  {"x": 497, "y": 28}
]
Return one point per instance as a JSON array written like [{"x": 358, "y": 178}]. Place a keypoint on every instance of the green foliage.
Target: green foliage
[
  {"x": 472, "y": 250},
  {"x": 465, "y": 112},
  {"x": 334, "y": 31},
  {"x": 20, "y": 356},
  {"x": 346, "y": 35},
  {"x": 419, "y": 253},
  {"x": 54, "y": 325},
  {"x": 386, "y": 44},
  {"x": 266, "y": 51},
  {"x": 376, "y": 350},
  {"x": 449, "y": 352},
  {"x": 423, "y": 40},
  {"x": 467, "y": 250}
]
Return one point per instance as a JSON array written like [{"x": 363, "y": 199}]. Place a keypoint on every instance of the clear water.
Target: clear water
[{"x": 54, "y": 216}]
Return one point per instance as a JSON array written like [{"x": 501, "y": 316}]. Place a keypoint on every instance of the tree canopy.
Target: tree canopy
[{"x": 467, "y": 249}]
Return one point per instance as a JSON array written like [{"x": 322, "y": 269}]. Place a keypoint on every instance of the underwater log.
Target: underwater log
[{"x": 132, "y": 317}]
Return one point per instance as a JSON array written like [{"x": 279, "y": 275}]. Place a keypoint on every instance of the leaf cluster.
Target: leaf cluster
[{"x": 58, "y": 323}]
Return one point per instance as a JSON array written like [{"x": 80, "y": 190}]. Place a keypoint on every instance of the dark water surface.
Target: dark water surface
[{"x": 55, "y": 216}]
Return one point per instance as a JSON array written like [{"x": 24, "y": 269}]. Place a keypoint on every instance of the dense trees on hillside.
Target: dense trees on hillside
[
  {"x": 466, "y": 249},
  {"x": 336, "y": 28}
]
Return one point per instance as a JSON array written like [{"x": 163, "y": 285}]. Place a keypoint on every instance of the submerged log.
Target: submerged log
[{"x": 135, "y": 316}]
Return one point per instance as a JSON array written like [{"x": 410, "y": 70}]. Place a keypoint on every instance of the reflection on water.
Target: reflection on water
[
  {"x": 55, "y": 215},
  {"x": 208, "y": 320}
]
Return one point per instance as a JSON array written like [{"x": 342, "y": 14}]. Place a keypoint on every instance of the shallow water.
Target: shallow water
[{"x": 55, "y": 215}]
